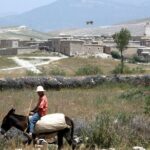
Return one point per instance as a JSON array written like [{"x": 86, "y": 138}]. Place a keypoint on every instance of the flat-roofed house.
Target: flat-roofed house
[
  {"x": 78, "y": 47},
  {"x": 9, "y": 43},
  {"x": 72, "y": 47}
]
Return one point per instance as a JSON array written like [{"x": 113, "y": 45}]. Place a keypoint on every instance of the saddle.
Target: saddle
[{"x": 51, "y": 123}]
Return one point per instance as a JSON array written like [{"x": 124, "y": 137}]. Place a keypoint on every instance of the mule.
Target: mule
[{"x": 21, "y": 123}]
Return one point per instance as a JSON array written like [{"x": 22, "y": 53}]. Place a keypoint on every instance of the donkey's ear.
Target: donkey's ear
[{"x": 11, "y": 111}]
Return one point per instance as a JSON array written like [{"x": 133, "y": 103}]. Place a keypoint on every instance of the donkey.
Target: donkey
[{"x": 21, "y": 123}]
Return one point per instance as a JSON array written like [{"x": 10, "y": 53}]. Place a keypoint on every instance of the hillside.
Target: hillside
[
  {"x": 136, "y": 29},
  {"x": 74, "y": 14},
  {"x": 21, "y": 33}
]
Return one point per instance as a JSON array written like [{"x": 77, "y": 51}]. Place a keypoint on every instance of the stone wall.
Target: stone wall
[
  {"x": 26, "y": 50},
  {"x": 73, "y": 82},
  {"x": 8, "y": 51}
]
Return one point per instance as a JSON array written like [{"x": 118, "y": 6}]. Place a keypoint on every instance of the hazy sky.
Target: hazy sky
[
  {"x": 8, "y": 7},
  {"x": 18, "y": 6}
]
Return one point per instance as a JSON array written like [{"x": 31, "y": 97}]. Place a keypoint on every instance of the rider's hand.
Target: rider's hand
[{"x": 31, "y": 113}]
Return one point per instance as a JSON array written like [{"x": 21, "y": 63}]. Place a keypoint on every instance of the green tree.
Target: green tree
[{"x": 122, "y": 40}]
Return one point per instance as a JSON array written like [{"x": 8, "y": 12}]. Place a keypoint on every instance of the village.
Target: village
[{"x": 87, "y": 45}]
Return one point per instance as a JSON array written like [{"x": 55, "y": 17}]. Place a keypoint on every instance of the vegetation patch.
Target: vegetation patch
[
  {"x": 6, "y": 62},
  {"x": 127, "y": 70},
  {"x": 88, "y": 70},
  {"x": 115, "y": 55}
]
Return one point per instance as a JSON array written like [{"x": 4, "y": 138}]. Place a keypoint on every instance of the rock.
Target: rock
[{"x": 138, "y": 148}]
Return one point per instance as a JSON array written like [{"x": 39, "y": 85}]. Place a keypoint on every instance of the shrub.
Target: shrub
[
  {"x": 137, "y": 58},
  {"x": 127, "y": 70},
  {"x": 88, "y": 70},
  {"x": 131, "y": 95},
  {"x": 30, "y": 73},
  {"x": 117, "y": 70},
  {"x": 138, "y": 70},
  {"x": 101, "y": 132},
  {"x": 57, "y": 72},
  {"x": 115, "y": 55}
]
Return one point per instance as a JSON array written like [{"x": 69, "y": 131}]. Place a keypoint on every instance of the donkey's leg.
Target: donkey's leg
[
  {"x": 69, "y": 138},
  {"x": 60, "y": 140},
  {"x": 69, "y": 132}
]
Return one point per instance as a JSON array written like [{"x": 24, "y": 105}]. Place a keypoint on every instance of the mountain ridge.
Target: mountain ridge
[{"x": 63, "y": 14}]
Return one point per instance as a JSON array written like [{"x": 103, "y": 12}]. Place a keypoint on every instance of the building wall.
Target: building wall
[
  {"x": 76, "y": 48},
  {"x": 26, "y": 50},
  {"x": 11, "y": 51},
  {"x": 106, "y": 49},
  {"x": 145, "y": 42},
  {"x": 92, "y": 49},
  {"x": 65, "y": 47},
  {"x": 56, "y": 45},
  {"x": 9, "y": 43}
]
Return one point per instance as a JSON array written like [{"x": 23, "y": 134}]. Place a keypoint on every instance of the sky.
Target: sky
[
  {"x": 8, "y": 7},
  {"x": 11, "y": 7}
]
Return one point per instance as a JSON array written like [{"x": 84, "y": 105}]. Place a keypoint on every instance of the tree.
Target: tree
[{"x": 122, "y": 40}]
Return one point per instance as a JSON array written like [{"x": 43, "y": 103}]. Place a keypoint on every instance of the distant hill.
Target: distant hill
[
  {"x": 63, "y": 14},
  {"x": 136, "y": 29},
  {"x": 22, "y": 33}
]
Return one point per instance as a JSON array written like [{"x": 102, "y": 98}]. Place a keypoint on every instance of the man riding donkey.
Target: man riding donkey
[
  {"x": 57, "y": 123},
  {"x": 39, "y": 111}
]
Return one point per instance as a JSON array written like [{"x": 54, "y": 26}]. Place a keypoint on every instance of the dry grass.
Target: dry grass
[
  {"x": 71, "y": 65},
  {"x": 68, "y": 66},
  {"x": 6, "y": 62},
  {"x": 80, "y": 103},
  {"x": 84, "y": 103}
]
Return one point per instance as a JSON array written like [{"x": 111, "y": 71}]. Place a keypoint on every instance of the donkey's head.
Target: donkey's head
[{"x": 7, "y": 122}]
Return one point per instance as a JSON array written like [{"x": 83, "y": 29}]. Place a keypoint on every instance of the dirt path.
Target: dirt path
[{"x": 30, "y": 64}]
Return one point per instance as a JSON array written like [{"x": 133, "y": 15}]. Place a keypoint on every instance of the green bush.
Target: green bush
[
  {"x": 101, "y": 132},
  {"x": 57, "y": 72},
  {"x": 88, "y": 70},
  {"x": 117, "y": 70},
  {"x": 127, "y": 70},
  {"x": 115, "y": 55},
  {"x": 136, "y": 59}
]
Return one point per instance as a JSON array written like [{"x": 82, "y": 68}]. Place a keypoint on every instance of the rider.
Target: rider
[{"x": 39, "y": 111}]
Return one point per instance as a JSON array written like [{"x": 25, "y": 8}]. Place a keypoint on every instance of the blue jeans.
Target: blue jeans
[{"x": 32, "y": 122}]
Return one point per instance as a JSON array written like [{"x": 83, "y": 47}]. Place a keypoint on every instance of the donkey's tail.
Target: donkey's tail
[
  {"x": 70, "y": 123},
  {"x": 72, "y": 128}
]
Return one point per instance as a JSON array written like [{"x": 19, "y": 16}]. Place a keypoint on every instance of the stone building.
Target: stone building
[
  {"x": 143, "y": 49},
  {"x": 9, "y": 43},
  {"x": 71, "y": 47},
  {"x": 145, "y": 41},
  {"x": 92, "y": 49},
  {"x": 78, "y": 47},
  {"x": 8, "y": 51},
  {"x": 56, "y": 43}
]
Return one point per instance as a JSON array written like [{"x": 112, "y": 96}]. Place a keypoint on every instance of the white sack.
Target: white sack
[{"x": 51, "y": 123}]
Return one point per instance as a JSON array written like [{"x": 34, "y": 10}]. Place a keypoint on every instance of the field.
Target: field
[
  {"x": 118, "y": 101},
  {"x": 69, "y": 67},
  {"x": 111, "y": 115}
]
